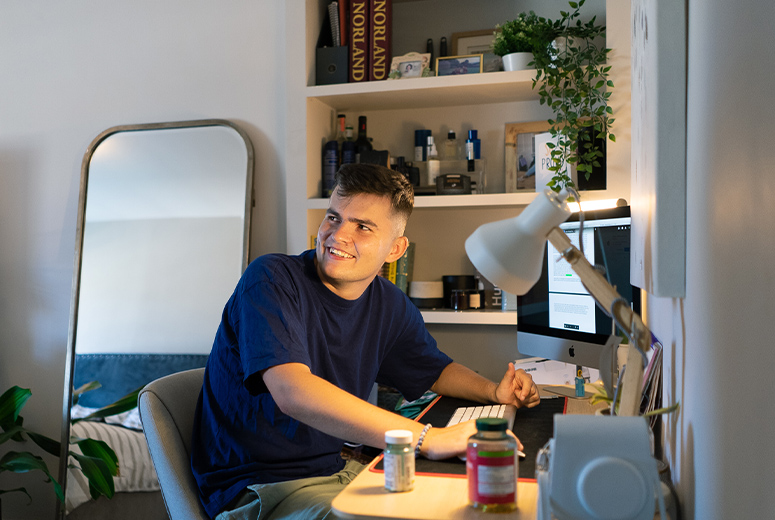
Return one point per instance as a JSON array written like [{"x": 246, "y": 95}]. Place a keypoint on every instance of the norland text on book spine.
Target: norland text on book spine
[
  {"x": 380, "y": 29},
  {"x": 359, "y": 40}
]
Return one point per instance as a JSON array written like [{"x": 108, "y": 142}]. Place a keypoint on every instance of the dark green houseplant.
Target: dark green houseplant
[
  {"x": 572, "y": 78},
  {"x": 526, "y": 33},
  {"x": 98, "y": 462}
]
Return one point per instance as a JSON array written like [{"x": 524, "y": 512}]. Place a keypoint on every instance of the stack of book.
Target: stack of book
[
  {"x": 400, "y": 271},
  {"x": 366, "y": 26}
]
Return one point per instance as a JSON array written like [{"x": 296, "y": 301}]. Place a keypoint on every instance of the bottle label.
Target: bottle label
[
  {"x": 399, "y": 471},
  {"x": 492, "y": 476}
]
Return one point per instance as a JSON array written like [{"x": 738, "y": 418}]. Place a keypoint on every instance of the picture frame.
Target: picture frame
[
  {"x": 478, "y": 42},
  {"x": 412, "y": 65},
  {"x": 459, "y": 65},
  {"x": 519, "y": 155}
]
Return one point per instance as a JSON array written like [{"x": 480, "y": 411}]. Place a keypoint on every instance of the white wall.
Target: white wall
[
  {"x": 69, "y": 71},
  {"x": 719, "y": 355}
]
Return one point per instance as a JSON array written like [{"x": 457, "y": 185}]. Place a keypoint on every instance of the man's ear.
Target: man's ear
[{"x": 398, "y": 249}]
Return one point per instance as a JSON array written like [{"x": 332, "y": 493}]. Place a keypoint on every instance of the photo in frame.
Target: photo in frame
[
  {"x": 459, "y": 65},
  {"x": 478, "y": 42},
  {"x": 520, "y": 153},
  {"x": 412, "y": 65}
]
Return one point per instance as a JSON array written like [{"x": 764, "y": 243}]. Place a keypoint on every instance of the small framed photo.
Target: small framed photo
[
  {"x": 478, "y": 42},
  {"x": 412, "y": 65},
  {"x": 455, "y": 65},
  {"x": 520, "y": 155}
]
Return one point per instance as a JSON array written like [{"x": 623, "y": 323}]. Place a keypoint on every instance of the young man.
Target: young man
[{"x": 301, "y": 343}]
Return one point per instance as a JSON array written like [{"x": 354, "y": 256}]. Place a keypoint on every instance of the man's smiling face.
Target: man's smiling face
[{"x": 357, "y": 236}]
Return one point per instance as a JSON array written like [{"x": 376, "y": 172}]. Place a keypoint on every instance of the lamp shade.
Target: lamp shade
[{"x": 509, "y": 252}]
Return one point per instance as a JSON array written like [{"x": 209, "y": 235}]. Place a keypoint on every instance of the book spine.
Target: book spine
[
  {"x": 380, "y": 30},
  {"x": 359, "y": 40},
  {"x": 404, "y": 268},
  {"x": 344, "y": 22},
  {"x": 392, "y": 269}
]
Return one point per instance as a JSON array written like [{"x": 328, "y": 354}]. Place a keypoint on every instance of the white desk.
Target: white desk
[{"x": 433, "y": 497}]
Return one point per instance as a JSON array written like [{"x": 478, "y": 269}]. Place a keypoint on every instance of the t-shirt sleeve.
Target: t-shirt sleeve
[
  {"x": 269, "y": 330},
  {"x": 414, "y": 362}
]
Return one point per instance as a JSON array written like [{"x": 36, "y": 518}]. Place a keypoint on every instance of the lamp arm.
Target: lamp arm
[{"x": 629, "y": 321}]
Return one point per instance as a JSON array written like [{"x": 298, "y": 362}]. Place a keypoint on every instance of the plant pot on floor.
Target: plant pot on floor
[{"x": 517, "y": 60}]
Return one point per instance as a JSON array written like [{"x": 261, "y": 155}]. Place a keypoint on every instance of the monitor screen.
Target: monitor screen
[{"x": 558, "y": 319}]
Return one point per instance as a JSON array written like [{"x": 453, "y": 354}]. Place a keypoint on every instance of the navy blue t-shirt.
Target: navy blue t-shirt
[{"x": 279, "y": 313}]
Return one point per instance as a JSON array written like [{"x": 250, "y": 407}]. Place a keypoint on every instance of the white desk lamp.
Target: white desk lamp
[
  {"x": 595, "y": 467},
  {"x": 509, "y": 254}
]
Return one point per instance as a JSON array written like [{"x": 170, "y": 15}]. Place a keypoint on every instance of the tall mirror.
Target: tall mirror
[{"x": 163, "y": 231}]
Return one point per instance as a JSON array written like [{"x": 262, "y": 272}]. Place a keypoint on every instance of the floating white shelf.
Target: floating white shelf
[
  {"x": 454, "y": 201},
  {"x": 470, "y": 317},
  {"x": 473, "y": 89}
]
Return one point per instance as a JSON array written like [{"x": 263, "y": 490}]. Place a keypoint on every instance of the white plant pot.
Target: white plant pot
[{"x": 517, "y": 60}]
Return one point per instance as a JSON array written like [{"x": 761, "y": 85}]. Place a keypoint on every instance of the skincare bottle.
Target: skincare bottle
[
  {"x": 420, "y": 144},
  {"x": 434, "y": 166},
  {"x": 451, "y": 148},
  {"x": 473, "y": 146}
]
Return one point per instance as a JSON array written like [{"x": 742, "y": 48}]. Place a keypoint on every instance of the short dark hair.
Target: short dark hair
[{"x": 355, "y": 179}]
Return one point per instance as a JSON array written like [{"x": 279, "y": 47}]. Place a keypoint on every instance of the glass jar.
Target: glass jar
[
  {"x": 491, "y": 467},
  {"x": 399, "y": 461}
]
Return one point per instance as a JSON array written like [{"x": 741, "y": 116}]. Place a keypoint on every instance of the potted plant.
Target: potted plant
[
  {"x": 516, "y": 40},
  {"x": 572, "y": 77},
  {"x": 98, "y": 462}
]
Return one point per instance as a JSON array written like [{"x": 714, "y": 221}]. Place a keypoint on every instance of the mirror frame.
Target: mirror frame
[{"x": 76, "y": 281}]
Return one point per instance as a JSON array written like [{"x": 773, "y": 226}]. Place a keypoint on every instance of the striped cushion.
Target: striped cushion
[{"x": 136, "y": 471}]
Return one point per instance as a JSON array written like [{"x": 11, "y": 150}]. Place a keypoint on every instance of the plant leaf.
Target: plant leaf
[
  {"x": 100, "y": 450},
  {"x": 21, "y": 489},
  {"x": 11, "y": 403},
  {"x": 126, "y": 403},
  {"x": 11, "y": 433},
  {"x": 48, "y": 444},
  {"x": 96, "y": 471},
  {"x": 86, "y": 387},
  {"x": 22, "y": 462}
]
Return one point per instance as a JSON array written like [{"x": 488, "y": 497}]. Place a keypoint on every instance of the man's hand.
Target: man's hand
[
  {"x": 443, "y": 443},
  {"x": 517, "y": 388}
]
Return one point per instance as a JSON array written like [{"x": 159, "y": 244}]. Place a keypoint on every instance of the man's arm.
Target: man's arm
[
  {"x": 317, "y": 403},
  {"x": 516, "y": 387}
]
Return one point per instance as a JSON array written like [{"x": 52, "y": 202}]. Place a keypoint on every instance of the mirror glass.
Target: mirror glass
[{"x": 163, "y": 233}]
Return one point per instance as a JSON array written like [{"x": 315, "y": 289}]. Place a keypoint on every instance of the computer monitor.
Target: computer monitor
[{"x": 558, "y": 319}]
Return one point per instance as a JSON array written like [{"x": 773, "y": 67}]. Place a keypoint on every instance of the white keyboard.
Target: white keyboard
[{"x": 466, "y": 413}]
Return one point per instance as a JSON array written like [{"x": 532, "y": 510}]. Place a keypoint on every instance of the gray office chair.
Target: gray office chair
[{"x": 167, "y": 408}]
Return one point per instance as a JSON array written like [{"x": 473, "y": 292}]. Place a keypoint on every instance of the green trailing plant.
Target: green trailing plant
[
  {"x": 600, "y": 395},
  {"x": 572, "y": 78},
  {"x": 98, "y": 462},
  {"x": 526, "y": 33}
]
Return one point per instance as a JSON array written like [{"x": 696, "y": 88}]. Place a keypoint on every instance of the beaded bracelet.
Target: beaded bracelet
[{"x": 421, "y": 439}]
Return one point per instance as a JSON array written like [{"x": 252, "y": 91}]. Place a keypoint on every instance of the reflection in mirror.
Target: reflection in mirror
[{"x": 163, "y": 231}]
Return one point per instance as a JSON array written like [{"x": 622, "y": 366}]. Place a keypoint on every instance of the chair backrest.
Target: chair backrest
[{"x": 167, "y": 408}]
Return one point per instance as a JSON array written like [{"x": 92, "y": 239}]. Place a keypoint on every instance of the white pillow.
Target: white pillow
[
  {"x": 136, "y": 471},
  {"x": 129, "y": 419}
]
